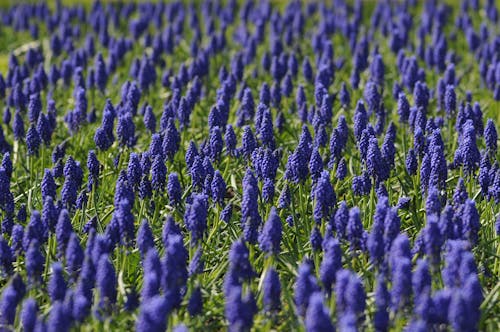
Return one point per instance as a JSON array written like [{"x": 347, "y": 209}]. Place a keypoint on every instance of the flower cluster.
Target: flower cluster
[{"x": 249, "y": 165}]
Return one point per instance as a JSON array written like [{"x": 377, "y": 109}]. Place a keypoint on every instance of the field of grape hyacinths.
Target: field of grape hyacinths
[{"x": 249, "y": 165}]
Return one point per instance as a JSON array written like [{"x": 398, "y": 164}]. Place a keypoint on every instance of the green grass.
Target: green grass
[{"x": 295, "y": 245}]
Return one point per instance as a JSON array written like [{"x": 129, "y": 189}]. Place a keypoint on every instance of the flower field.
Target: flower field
[{"x": 250, "y": 166}]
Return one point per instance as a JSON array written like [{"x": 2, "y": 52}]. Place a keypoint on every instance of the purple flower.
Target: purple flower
[
  {"x": 145, "y": 188},
  {"x": 17, "y": 238},
  {"x": 354, "y": 229},
  {"x": 58, "y": 319},
  {"x": 325, "y": 198},
  {"x": 247, "y": 109},
  {"x": 83, "y": 293},
  {"x": 317, "y": 316},
  {"x": 134, "y": 171},
  {"x": 230, "y": 139},
  {"x": 268, "y": 190},
  {"x": 216, "y": 143},
  {"x": 33, "y": 140},
  {"x": 149, "y": 119},
  {"x": 158, "y": 173},
  {"x": 104, "y": 136},
  {"x": 484, "y": 174},
  {"x": 467, "y": 153},
  {"x": 372, "y": 97},
  {"x": 491, "y": 136},
  {"x": 69, "y": 192},
  {"x": 284, "y": 198},
  {"x": 58, "y": 153},
  {"x": 170, "y": 228},
  {"x": 239, "y": 263},
  {"x": 344, "y": 96},
  {"x": 8, "y": 303},
  {"x": 171, "y": 140},
  {"x": 425, "y": 170},
  {"x": 227, "y": 213},
  {"x": 106, "y": 282},
  {"x": 307, "y": 70},
  {"x": 270, "y": 237},
  {"x": 341, "y": 171},
  {"x": 271, "y": 291},
  {"x": 433, "y": 203},
  {"x": 6, "y": 114},
  {"x": 174, "y": 266},
  {"x": 400, "y": 249},
  {"x": 316, "y": 239},
  {"x": 433, "y": 239},
  {"x": 381, "y": 317},
  {"x": 450, "y": 100},
  {"x": 152, "y": 275},
  {"x": 125, "y": 130},
  {"x": 44, "y": 129},
  {"x": 6, "y": 257},
  {"x": 332, "y": 262},
  {"x": 195, "y": 217},
  {"x": 375, "y": 164},
  {"x": 101, "y": 75},
  {"x": 239, "y": 311},
  {"x": 6, "y": 197},
  {"x": 453, "y": 258},
  {"x": 195, "y": 304},
  {"x": 250, "y": 216},
  {"x": 360, "y": 119},
  {"x": 93, "y": 165},
  {"x": 315, "y": 164},
  {"x": 375, "y": 241},
  {"x": 34, "y": 261},
  {"x": 196, "y": 265},
  {"x": 34, "y": 108},
  {"x": 63, "y": 231},
  {"x": 49, "y": 213},
  {"x": 48, "y": 185},
  {"x": 145, "y": 240},
  {"x": 421, "y": 95},
  {"x": 297, "y": 165},
  {"x": 265, "y": 129},
  {"x": 411, "y": 162},
  {"x": 458, "y": 314},
  {"x": 388, "y": 150},
  {"x": 287, "y": 85},
  {"x": 151, "y": 280},
  {"x": 305, "y": 286},
  {"x": 403, "y": 108},
  {"x": 401, "y": 283},
  {"x": 7, "y": 164},
  {"x": 35, "y": 230},
  {"x": 146, "y": 162},
  {"x": 153, "y": 314},
  {"x": 74, "y": 255},
  {"x": 421, "y": 280},
  {"x": 341, "y": 219},
  {"x": 155, "y": 147},
  {"x": 174, "y": 189},
  {"x": 29, "y": 315},
  {"x": 125, "y": 220},
  {"x": 350, "y": 295},
  {"x": 57, "y": 285},
  {"x": 471, "y": 224},
  {"x": 472, "y": 292},
  {"x": 248, "y": 143}
]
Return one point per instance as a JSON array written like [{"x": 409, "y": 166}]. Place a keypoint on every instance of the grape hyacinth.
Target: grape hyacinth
[{"x": 312, "y": 165}]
